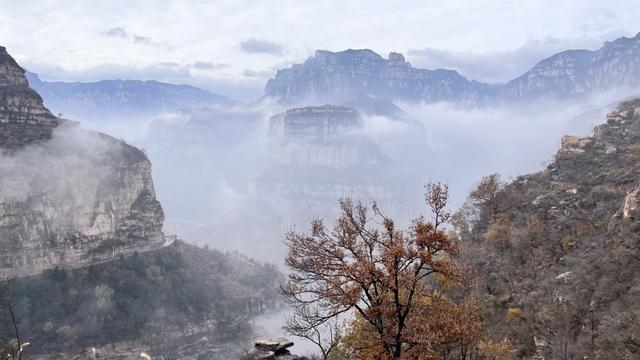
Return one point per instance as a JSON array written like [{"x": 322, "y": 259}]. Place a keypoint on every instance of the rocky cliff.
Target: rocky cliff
[
  {"x": 558, "y": 251},
  {"x": 339, "y": 77},
  {"x": 68, "y": 197}
]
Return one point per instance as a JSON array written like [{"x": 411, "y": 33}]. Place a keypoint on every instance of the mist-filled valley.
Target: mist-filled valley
[
  {"x": 185, "y": 180},
  {"x": 214, "y": 167}
]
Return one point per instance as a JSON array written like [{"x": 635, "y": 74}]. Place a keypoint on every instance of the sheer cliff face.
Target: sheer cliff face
[
  {"x": 68, "y": 197},
  {"x": 571, "y": 256}
]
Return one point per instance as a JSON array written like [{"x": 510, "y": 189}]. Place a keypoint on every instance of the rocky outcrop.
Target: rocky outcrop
[
  {"x": 574, "y": 145},
  {"x": 631, "y": 202},
  {"x": 274, "y": 349},
  {"x": 340, "y": 76},
  {"x": 68, "y": 197},
  {"x": 23, "y": 118}
]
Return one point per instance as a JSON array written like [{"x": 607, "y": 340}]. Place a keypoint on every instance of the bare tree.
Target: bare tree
[
  {"x": 381, "y": 273},
  {"x": 303, "y": 322},
  {"x": 9, "y": 315}
]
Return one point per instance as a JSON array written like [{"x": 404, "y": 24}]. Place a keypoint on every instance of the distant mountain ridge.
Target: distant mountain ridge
[
  {"x": 336, "y": 77},
  {"x": 119, "y": 97},
  {"x": 364, "y": 80}
]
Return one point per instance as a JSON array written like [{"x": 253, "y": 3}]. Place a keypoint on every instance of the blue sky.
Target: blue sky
[{"x": 233, "y": 47}]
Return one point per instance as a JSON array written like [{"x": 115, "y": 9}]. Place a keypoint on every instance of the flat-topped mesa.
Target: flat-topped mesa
[
  {"x": 323, "y": 153},
  {"x": 22, "y": 115},
  {"x": 313, "y": 123}
]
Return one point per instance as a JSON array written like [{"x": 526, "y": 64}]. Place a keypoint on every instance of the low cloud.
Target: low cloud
[
  {"x": 75, "y": 170},
  {"x": 261, "y": 46},
  {"x": 205, "y": 65},
  {"x": 117, "y": 32},
  {"x": 466, "y": 144},
  {"x": 257, "y": 74}
]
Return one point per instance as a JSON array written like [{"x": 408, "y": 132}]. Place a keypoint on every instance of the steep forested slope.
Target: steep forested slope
[
  {"x": 557, "y": 252},
  {"x": 178, "y": 300}
]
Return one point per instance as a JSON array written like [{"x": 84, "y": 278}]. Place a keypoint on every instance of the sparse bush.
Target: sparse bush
[
  {"x": 499, "y": 232},
  {"x": 503, "y": 350},
  {"x": 567, "y": 242},
  {"x": 513, "y": 313},
  {"x": 65, "y": 331}
]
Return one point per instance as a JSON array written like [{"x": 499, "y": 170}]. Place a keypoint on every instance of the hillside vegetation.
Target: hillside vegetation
[
  {"x": 557, "y": 252},
  {"x": 158, "y": 300}
]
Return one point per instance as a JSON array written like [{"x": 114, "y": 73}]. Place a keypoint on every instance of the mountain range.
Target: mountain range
[
  {"x": 112, "y": 98},
  {"x": 335, "y": 76},
  {"x": 364, "y": 80}
]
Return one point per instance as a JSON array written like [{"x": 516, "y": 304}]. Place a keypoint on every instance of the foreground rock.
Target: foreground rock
[{"x": 273, "y": 349}]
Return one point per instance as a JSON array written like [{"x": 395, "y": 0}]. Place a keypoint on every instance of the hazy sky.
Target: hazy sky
[{"x": 233, "y": 46}]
